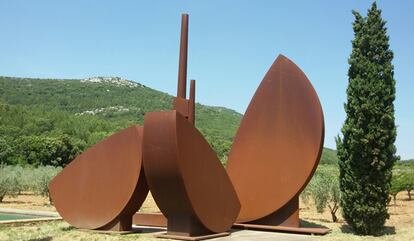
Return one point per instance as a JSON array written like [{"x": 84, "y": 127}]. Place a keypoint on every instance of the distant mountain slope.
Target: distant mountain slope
[
  {"x": 117, "y": 101},
  {"x": 406, "y": 163},
  {"x": 329, "y": 156}
]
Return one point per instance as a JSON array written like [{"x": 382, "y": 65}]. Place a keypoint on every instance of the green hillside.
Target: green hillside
[
  {"x": 67, "y": 116},
  {"x": 405, "y": 164},
  {"x": 329, "y": 156},
  {"x": 87, "y": 110}
]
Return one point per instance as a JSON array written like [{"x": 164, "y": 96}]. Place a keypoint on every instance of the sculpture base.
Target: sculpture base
[
  {"x": 286, "y": 219},
  {"x": 287, "y": 229},
  {"x": 201, "y": 237},
  {"x": 182, "y": 227},
  {"x": 119, "y": 224},
  {"x": 149, "y": 219}
]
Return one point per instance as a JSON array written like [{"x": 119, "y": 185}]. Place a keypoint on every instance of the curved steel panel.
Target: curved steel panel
[
  {"x": 279, "y": 142},
  {"x": 184, "y": 174},
  {"x": 102, "y": 183}
]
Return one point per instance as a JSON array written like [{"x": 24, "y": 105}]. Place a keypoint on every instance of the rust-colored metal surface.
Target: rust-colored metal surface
[
  {"x": 182, "y": 65},
  {"x": 285, "y": 219},
  {"x": 274, "y": 155},
  {"x": 288, "y": 215},
  {"x": 190, "y": 238},
  {"x": 104, "y": 186},
  {"x": 191, "y": 103},
  {"x": 187, "y": 180},
  {"x": 149, "y": 219},
  {"x": 185, "y": 106},
  {"x": 279, "y": 142}
]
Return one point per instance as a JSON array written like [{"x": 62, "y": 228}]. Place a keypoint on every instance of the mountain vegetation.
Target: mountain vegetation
[
  {"x": 49, "y": 121},
  {"x": 329, "y": 156}
]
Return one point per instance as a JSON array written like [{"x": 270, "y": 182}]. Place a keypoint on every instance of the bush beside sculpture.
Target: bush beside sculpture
[
  {"x": 402, "y": 180},
  {"x": 16, "y": 179},
  {"x": 323, "y": 190}
]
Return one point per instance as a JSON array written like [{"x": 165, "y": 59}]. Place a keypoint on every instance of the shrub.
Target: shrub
[
  {"x": 396, "y": 186},
  {"x": 408, "y": 183},
  {"x": 45, "y": 150},
  {"x": 16, "y": 179},
  {"x": 9, "y": 182},
  {"x": 43, "y": 175},
  {"x": 323, "y": 189},
  {"x": 404, "y": 171},
  {"x": 5, "y": 151}
]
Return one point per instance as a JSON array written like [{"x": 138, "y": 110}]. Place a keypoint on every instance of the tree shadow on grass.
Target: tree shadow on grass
[
  {"x": 41, "y": 239},
  {"x": 14, "y": 202},
  {"x": 67, "y": 228},
  {"x": 307, "y": 224},
  {"x": 145, "y": 229},
  {"x": 388, "y": 230},
  {"x": 323, "y": 220}
]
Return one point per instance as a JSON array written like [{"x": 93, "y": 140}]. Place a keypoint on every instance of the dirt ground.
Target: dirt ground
[
  {"x": 400, "y": 226},
  {"x": 30, "y": 201},
  {"x": 401, "y": 214}
]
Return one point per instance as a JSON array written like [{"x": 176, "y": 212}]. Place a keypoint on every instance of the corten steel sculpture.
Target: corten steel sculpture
[
  {"x": 274, "y": 155},
  {"x": 277, "y": 149},
  {"x": 181, "y": 104},
  {"x": 184, "y": 106},
  {"x": 186, "y": 179},
  {"x": 104, "y": 186}
]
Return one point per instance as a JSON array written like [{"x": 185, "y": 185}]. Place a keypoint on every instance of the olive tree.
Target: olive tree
[{"x": 323, "y": 190}]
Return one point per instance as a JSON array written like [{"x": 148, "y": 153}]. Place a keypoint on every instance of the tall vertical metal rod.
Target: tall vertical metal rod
[{"x": 182, "y": 68}]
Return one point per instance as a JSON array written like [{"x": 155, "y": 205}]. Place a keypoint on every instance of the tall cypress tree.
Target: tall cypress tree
[{"x": 366, "y": 149}]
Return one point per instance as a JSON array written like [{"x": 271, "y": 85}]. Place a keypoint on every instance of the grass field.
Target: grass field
[{"x": 400, "y": 226}]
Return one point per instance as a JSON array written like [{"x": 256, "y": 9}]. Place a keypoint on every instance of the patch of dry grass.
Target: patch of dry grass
[
  {"x": 61, "y": 231},
  {"x": 31, "y": 201},
  {"x": 27, "y": 201},
  {"x": 400, "y": 226},
  {"x": 149, "y": 205}
]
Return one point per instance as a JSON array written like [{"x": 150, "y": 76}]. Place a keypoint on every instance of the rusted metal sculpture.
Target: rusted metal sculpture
[
  {"x": 275, "y": 153},
  {"x": 277, "y": 149},
  {"x": 181, "y": 104},
  {"x": 184, "y": 106},
  {"x": 179, "y": 166},
  {"x": 104, "y": 186},
  {"x": 186, "y": 179}
]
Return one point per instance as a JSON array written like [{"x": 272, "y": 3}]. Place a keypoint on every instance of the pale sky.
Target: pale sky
[{"x": 231, "y": 46}]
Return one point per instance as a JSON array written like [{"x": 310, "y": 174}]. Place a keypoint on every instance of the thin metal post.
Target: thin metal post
[{"x": 182, "y": 68}]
